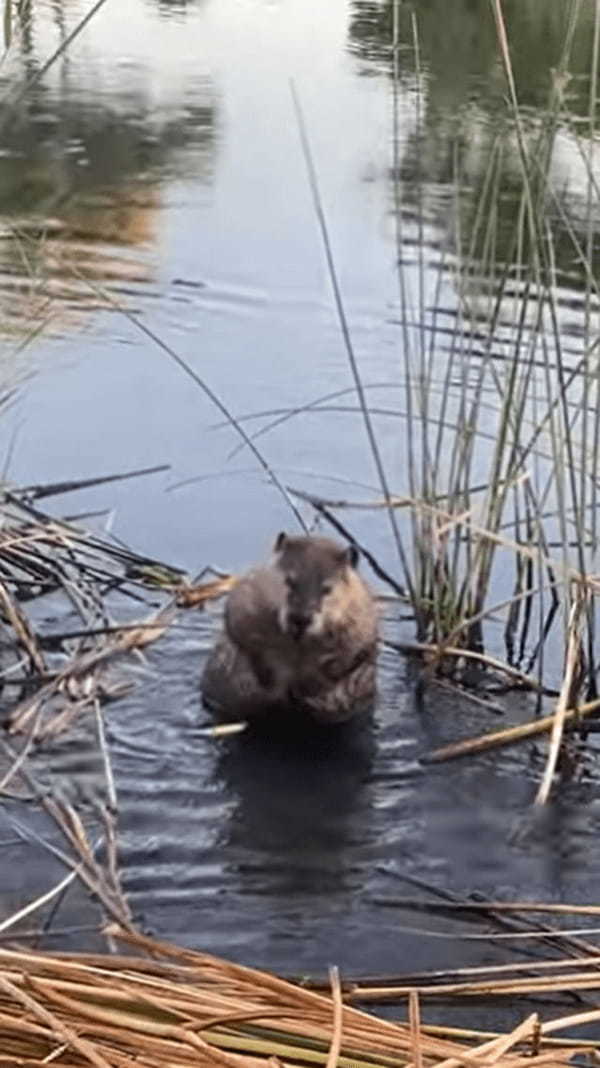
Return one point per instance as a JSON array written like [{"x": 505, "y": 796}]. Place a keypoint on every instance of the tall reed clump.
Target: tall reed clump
[{"x": 503, "y": 427}]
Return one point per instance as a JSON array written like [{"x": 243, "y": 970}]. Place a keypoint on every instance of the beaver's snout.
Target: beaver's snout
[{"x": 298, "y": 624}]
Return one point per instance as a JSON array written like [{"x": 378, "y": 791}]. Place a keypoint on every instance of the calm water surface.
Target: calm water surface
[{"x": 159, "y": 162}]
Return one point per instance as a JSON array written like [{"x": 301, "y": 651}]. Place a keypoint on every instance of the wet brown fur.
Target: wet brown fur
[{"x": 265, "y": 661}]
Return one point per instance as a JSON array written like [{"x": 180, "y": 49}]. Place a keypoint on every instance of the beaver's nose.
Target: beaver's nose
[{"x": 299, "y": 623}]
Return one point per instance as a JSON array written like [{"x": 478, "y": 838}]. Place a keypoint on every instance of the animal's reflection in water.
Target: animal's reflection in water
[{"x": 302, "y": 804}]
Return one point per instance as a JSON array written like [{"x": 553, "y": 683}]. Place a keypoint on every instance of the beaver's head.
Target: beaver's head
[{"x": 312, "y": 569}]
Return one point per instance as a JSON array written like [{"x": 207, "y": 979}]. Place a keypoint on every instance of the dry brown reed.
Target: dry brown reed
[
  {"x": 167, "y": 1007},
  {"x": 510, "y": 735},
  {"x": 40, "y": 554}
]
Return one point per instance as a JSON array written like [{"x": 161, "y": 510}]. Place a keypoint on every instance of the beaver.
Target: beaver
[{"x": 300, "y": 634}]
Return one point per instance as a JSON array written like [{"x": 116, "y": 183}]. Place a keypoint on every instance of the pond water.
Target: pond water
[{"x": 159, "y": 162}]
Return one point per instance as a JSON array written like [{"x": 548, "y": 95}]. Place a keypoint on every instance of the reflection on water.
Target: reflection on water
[
  {"x": 297, "y": 808},
  {"x": 458, "y": 50},
  {"x": 464, "y": 129},
  {"x": 83, "y": 162}
]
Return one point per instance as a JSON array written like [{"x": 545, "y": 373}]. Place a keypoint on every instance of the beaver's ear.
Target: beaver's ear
[
  {"x": 280, "y": 541},
  {"x": 351, "y": 556}
]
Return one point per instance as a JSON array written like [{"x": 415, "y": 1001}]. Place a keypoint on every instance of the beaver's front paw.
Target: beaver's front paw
[{"x": 263, "y": 673}]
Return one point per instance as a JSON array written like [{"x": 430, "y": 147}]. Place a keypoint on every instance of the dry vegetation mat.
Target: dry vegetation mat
[
  {"x": 166, "y": 1007},
  {"x": 50, "y": 676}
]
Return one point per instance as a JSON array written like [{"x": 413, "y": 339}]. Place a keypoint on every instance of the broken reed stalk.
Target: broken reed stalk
[
  {"x": 38, "y": 903},
  {"x": 353, "y": 988},
  {"x": 585, "y": 980},
  {"x": 510, "y": 735},
  {"x": 338, "y": 1019},
  {"x": 569, "y": 689},
  {"x": 83, "y": 666},
  {"x": 414, "y": 1022},
  {"x": 434, "y": 653}
]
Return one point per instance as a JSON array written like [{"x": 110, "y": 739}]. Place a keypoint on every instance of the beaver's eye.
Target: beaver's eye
[
  {"x": 291, "y": 583},
  {"x": 326, "y": 588}
]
